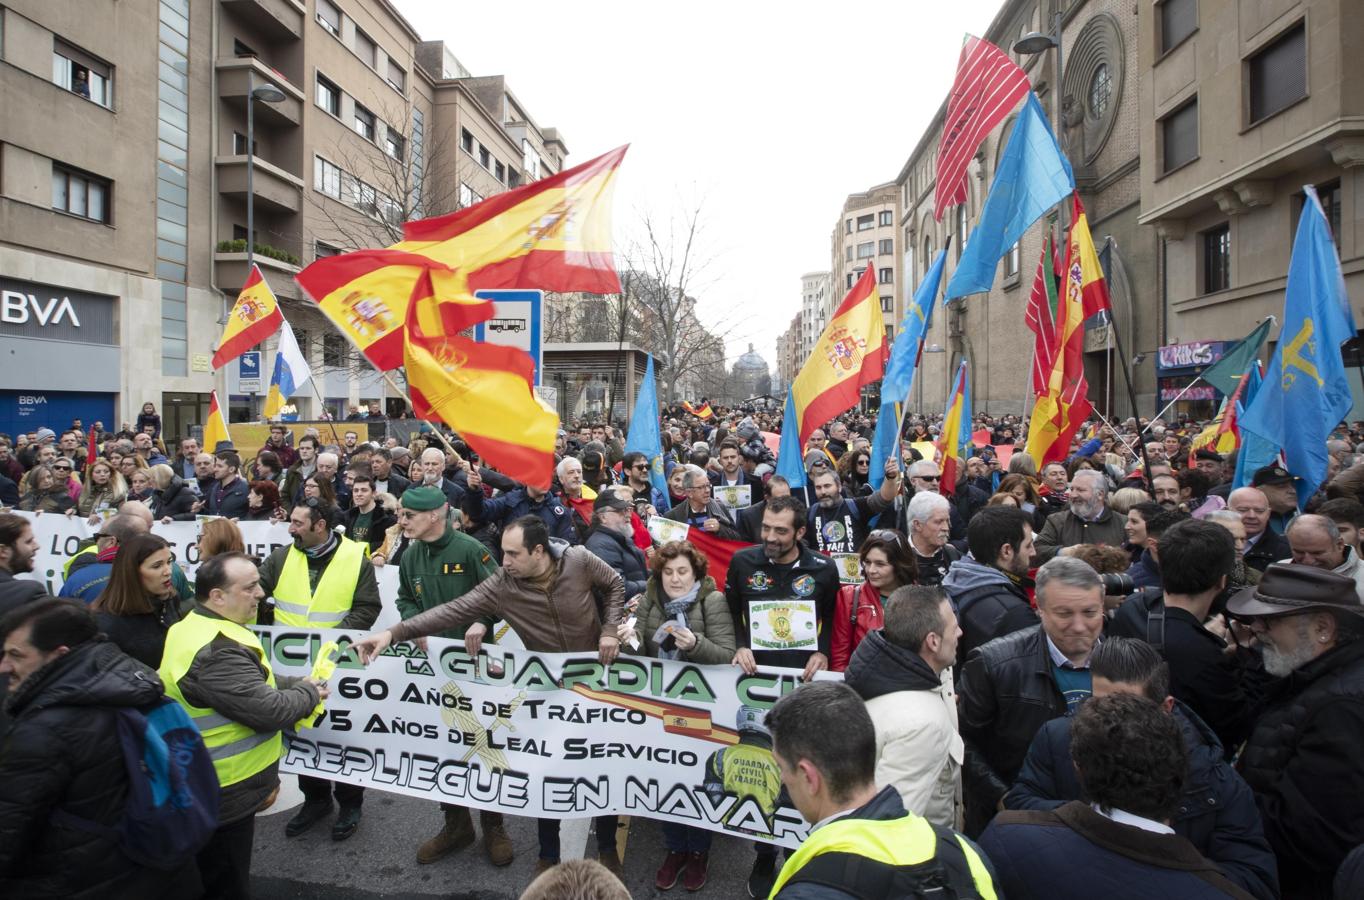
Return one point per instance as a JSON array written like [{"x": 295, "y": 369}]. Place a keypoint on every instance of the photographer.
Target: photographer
[{"x": 1196, "y": 559}]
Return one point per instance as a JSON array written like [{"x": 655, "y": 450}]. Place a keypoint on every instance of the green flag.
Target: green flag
[{"x": 1226, "y": 373}]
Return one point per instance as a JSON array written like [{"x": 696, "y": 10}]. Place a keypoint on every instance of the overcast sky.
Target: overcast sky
[{"x": 766, "y": 114}]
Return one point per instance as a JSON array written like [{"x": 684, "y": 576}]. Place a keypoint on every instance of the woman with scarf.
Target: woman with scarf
[
  {"x": 104, "y": 489},
  {"x": 683, "y": 615},
  {"x": 887, "y": 564},
  {"x": 45, "y": 492},
  {"x": 140, "y": 486}
]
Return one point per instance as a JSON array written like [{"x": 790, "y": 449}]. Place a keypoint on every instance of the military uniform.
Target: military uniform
[{"x": 435, "y": 572}]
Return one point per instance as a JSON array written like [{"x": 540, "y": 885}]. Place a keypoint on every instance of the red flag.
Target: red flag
[
  {"x": 92, "y": 449},
  {"x": 987, "y": 87},
  {"x": 717, "y": 551},
  {"x": 1040, "y": 317}
]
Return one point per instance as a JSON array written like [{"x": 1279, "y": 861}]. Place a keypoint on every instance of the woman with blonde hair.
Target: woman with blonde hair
[
  {"x": 104, "y": 489},
  {"x": 172, "y": 498},
  {"x": 45, "y": 492},
  {"x": 220, "y": 536},
  {"x": 1122, "y": 500}
]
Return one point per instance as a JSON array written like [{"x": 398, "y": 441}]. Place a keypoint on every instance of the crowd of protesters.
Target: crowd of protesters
[{"x": 1118, "y": 675}]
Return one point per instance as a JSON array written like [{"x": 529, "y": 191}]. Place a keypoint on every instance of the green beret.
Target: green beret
[{"x": 423, "y": 498}]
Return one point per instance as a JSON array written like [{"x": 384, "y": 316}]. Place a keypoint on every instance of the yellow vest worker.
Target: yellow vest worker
[{"x": 299, "y": 604}]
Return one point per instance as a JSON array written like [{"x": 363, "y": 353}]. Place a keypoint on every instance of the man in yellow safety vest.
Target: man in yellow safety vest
[
  {"x": 862, "y": 843},
  {"x": 322, "y": 580},
  {"x": 217, "y": 670}
]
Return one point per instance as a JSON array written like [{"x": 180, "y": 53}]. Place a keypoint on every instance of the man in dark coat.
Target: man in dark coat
[
  {"x": 18, "y": 547},
  {"x": 987, "y": 587},
  {"x": 1089, "y": 520},
  {"x": 525, "y": 501},
  {"x": 1263, "y": 545},
  {"x": 229, "y": 497},
  {"x": 1216, "y": 813},
  {"x": 1302, "y": 757},
  {"x": 612, "y": 540},
  {"x": 62, "y": 756},
  {"x": 1132, "y": 762}
]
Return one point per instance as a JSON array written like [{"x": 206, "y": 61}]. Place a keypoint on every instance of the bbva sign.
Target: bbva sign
[{"x": 17, "y": 308}]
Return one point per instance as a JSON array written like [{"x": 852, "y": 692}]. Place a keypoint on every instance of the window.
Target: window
[
  {"x": 866, "y": 223},
  {"x": 239, "y": 145},
  {"x": 80, "y": 73},
  {"x": 80, "y": 194},
  {"x": 500, "y": 172},
  {"x": 466, "y": 140},
  {"x": 329, "y": 17},
  {"x": 848, "y": 287},
  {"x": 887, "y": 304},
  {"x": 866, "y": 251},
  {"x": 242, "y": 51},
  {"x": 1329, "y": 195},
  {"x": 530, "y": 160},
  {"x": 397, "y": 76},
  {"x": 468, "y": 196},
  {"x": 365, "y": 48},
  {"x": 1178, "y": 20},
  {"x": 886, "y": 276},
  {"x": 394, "y": 144},
  {"x": 1217, "y": 259},
  {"x": 333, "y": 349},
  {"x": 1100, "y": 91},
  {"x": 328, "y": 96},
  {"x": 887, "y": 217},
  {"x": 1277, "y": 75},
  {"x": 362, "y": 196},
  {"x": 327, "y": 178},
  {"x": 849, "y": 255},
  {"x": 485, "y": 159},
  {"x": 1012, "y": 260},
  {"x": 887, "y": 247},
  {"x": 849, "y": 223},
  {"x": 513, "y": 178},
  {"x": 238, "y": 232},
  {"x": 322, "y": 251},
  {"x": 364, "y": 122},
  {"x": 1179, "y": 137}
]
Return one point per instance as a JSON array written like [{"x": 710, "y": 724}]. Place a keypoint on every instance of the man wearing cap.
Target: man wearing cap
[
  {"x": 1277, "y": 484},
  {"x": 1263, "y": 544},
  {"x": 29, "y": 453},
  {"x": 1303, "y": 756},
  {"x": 439, "y": 565},
  {"x": 612, "y": 539}
]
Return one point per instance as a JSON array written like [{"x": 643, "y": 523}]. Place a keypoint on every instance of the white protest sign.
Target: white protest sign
[
  {"x": 735, "y": 496},
  {"x": 552, "y": 735},
  {"x": 665, "y": 530}
]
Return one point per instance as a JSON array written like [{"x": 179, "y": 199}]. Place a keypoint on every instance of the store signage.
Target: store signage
[
  {"x": 1190, "y": 355},
  {"x": 28, "y": 309},
  {"x": 16, "y": 308}
]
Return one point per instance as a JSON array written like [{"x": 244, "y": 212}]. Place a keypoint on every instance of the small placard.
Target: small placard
[
  {"x": 849, "y": 567},
  {"x": 665, "y": 530},
  {"x": 735, "y": 496}
]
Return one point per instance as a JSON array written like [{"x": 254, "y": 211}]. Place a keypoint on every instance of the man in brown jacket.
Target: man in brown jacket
[{"x": 546, "y": 590}]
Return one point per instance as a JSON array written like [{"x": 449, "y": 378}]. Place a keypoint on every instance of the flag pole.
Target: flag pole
[
  {"x": 1127, "y": 373},
  {"x": 393, "y": 383},
  {"x": 1188, "y": 387}
]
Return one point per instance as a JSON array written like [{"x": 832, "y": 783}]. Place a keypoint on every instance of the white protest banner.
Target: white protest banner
[
  {"x": 550, "y": 735},
  {"x": 735, "y": 496},
  {"x": 665, "y": 530}
]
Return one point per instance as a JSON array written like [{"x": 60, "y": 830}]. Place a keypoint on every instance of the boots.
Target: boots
[
  {"x": 457, "y": 834},
  {"x": 496, "y": 843}
]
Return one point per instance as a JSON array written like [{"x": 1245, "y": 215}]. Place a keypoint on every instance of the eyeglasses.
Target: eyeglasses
[
  {"x": 864, "y": 462},
  {"x": 927, "y": 477}
]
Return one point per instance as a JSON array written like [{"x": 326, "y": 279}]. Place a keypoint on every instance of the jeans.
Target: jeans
[
  {"x": 549, "y": 836},
  {"x": 225, "y": 861},
  {"x": 679, "y": 838},
  {"x": 319, "y": 790}
]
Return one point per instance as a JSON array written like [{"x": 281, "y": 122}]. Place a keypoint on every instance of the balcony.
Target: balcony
[
  {"x": 236, "y": 74},
  {"x": 230, "y": 273},
  {"x": 276, "y": 20},
  {"x": 275, "y": 190}
]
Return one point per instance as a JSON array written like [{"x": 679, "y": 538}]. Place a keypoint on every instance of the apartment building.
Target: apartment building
[
  {"x": 1247, "y": 102},
  {"x": 865, "y": 236},
  {"x": 789, "y": 358},
  {"x": 816, "y": 305},
  {"x": 123, "y": 185}
]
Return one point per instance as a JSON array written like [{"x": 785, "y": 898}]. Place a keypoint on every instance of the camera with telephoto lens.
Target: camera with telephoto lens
[{"x": 1118, "y": 584}]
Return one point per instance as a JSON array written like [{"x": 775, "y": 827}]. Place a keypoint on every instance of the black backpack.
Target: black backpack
[{"x": 946, "y": 875}]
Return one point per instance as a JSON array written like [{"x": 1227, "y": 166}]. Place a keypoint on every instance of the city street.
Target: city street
[{"x": 379, "y": 861}]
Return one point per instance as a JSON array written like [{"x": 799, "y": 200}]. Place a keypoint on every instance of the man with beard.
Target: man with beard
[
  {"x": 1302, "y": 758},
  {"x": 1088, "y": 521},
  {"x": 612, "y": 539},
  {"x": 278, "y": 444},
  {"x": 988, "y": 587},
  {"x": 782, "y": 596},
  {"x": 732, "y": 471},
  {"x": 837, "y": 525},
  {"x": 18, "y": 547},
  {"x": 432, "y": 469},
  {"x": 928, "y": 516},
  {"x": 322, "y": 580}
]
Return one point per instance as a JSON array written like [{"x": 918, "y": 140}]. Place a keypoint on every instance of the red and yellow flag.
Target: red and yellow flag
[
  {"x": 553, "y": 234},
  {"x": 702, "y": 412},
  {"x": 1061, "y": 411},
  {"x": 215, "y": 429},
  {"x": 1223, "y": 433},
  {"x": 955, "y": 442},
  {"x": 254, "y": 317},
  {"x": 849, "y": 354},
  {"x": 483, "y": 391}
]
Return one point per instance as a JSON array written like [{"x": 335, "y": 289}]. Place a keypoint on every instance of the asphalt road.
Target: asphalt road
[{"x": 379, "y": 861}]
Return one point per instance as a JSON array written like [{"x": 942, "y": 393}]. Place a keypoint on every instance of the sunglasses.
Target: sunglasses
[
  {"x": 927, "y": 477},
  {"x": 888, "y": 535}
]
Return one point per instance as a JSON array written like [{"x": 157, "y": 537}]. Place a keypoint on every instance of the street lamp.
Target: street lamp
[{"x": 1035, "y": 42}]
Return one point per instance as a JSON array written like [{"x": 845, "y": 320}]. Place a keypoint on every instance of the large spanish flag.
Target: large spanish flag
[
  {"x": 215, "y": 429},
  {"x": 553, "y": 234},
  {"x": 254, "y": 317},
  {"x": 483, "y": 391},
  {"x": 849, "y": 354},
  {"x": 955, "y": 442},
  {"x": 1061, "y": 411}
]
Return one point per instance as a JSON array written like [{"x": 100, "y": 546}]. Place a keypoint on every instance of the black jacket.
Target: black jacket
[
  {"x": 1216, "y": 811},
  {"x": 381, "y": 520},
  {"x": 62, "y": 752},
  {"x": 753, "y": 580},
  {"x": 231, "y": 501},
  {"x": 176, "y": 501},
  {"x": 757, "y": 492},
  {"x": 714, "y": 509},
  {"x": 879, "y": 667},
  {"x": 989, "y": 604},
  {"x": 15, "y": 592},
  {"x": 1303, "y": 763},
  {"x": 1270, "y": 548},
  {"x": 621, "y": 554},
  {"x": 143, "y": 637},
  {"x": 1006, "y": 694},
  {"x": 395, "y": 484},
  {"x": 1221, "y": 689},
  {"x": 749, "y": 522},
  {"x": 9, "y": 492}
]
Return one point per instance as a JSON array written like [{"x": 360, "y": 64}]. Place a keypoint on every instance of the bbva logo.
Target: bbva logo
[{"x": 17, "y": 308}]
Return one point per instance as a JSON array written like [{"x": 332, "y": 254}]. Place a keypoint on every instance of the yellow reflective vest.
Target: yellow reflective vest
[
  {"x": 898, "y": 843},
  {"x": 298, "y": 605},
  {"x": 238, "y": 752}
]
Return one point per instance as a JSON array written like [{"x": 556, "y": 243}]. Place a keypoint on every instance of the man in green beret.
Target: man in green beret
[{"x": 439, "y": 565}]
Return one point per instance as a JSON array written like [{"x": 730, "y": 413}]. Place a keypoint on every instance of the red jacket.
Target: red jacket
[{"x": 847, "y": 633}]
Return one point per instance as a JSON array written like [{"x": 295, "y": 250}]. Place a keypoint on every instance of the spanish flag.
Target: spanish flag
[
  {"x": 215, "y": 429},
  {"x": 1061, "y": 411},
  {"x": 1223, "y": 433},
  {"x": 553, "y": 234},
  {"x": 254, "y": 317},
  {"x": 702, "y": 412},
  {"x": 483, "y": 391},
  {"x": 849, "y": 354},
  {"x": 955, "y": 442}
]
